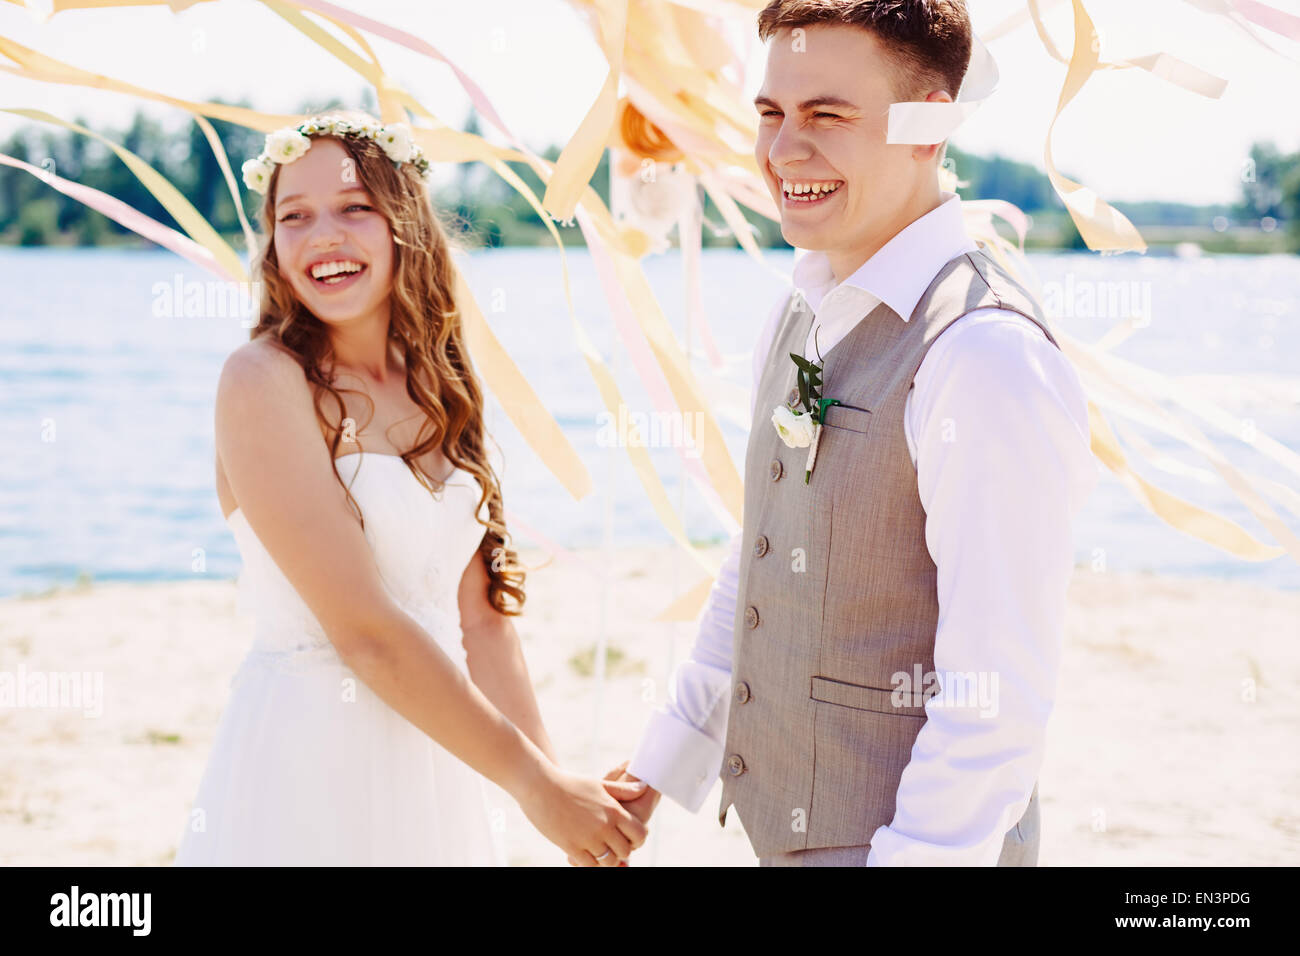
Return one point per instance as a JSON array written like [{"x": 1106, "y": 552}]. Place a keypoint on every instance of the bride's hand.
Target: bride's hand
[{"x": 583, "y": 816}]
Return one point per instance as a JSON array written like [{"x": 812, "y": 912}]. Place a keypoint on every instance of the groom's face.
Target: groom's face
[{"x": 823, "y": 115}]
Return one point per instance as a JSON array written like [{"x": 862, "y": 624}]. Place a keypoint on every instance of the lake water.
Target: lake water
[{"x": 106, "y": 407}]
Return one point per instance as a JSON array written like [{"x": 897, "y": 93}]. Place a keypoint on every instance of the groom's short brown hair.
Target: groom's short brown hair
[{"x": 929, "y": 40}]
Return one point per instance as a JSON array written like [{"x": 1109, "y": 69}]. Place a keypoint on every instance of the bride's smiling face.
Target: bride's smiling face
[{"x": 325, "y": 222}]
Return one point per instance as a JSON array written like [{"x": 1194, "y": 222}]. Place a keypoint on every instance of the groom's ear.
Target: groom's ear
[{"x": 924, "y": 153}]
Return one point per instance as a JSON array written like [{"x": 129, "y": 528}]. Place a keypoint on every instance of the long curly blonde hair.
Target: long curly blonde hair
[{"x": 425, "y": 325}]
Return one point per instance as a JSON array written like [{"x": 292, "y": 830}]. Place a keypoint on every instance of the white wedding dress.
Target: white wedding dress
[{"x": 309, "y": 766}]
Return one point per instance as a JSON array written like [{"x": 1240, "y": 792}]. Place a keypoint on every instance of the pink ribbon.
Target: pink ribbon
[{"x": 121, "y": 213}]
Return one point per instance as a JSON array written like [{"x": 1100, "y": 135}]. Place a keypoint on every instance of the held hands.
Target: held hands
[
  {"x": 584, "y": 817},
  {"x": 641, "y": 804}
]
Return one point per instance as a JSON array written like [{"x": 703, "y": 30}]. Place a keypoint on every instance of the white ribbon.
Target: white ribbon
[{"x": 924, "y": 124}]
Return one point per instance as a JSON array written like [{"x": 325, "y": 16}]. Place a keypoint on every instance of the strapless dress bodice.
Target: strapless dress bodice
[{"x": 421, "y": 543}]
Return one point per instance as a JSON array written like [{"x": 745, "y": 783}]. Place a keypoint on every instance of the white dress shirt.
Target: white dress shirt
[{"x": 997, "y": 426}]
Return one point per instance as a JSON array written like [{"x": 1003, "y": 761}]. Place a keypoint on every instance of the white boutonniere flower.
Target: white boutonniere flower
[
  {"x": 804, "y": 429},
  {"x": 795, "y": 429}
]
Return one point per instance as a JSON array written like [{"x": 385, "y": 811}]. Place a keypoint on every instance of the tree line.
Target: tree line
[{"x": 488, "y": 212}]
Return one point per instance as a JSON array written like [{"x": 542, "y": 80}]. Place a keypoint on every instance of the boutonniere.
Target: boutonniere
[{"x": 803, "y": 429}]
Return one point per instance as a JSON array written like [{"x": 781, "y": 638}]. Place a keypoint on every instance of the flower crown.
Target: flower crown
[{"x": 286, "y": 145}]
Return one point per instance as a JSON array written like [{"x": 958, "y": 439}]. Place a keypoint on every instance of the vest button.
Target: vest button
[
  {"x": 760, "y": 546},
  {"x": 742, "y": 692},
  {"x": 751, "y": 617},
  {"x": 735, "y": 766},
  {"x": 777, "y": 469}
]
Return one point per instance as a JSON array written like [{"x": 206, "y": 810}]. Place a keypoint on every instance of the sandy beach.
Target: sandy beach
[{"x": 1173, "y": 740}]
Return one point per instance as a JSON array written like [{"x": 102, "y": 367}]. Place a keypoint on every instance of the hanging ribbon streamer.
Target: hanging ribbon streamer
[
  {"x": 214, "y": 143},
  {"x": 128, "y": 217},
  {"x": 180, "y": 208},
  {"x": 682, "y": 76},
  {"x": 924, "y": 124},
  {"x": 1197, "y": 522},
  {"x": 1246, "y": 12},
  {"x": 718, "y": 467},
  {"x": 690, "y": 228},
  {"x": 686, "y": 438},
  {"x": 578, "y": 162}
]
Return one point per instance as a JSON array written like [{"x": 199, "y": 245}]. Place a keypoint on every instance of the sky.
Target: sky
[{"x": 1128, "y": 135}]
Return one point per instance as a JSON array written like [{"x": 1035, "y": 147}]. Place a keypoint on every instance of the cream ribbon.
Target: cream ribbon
[{"x": 679, "y": 79}]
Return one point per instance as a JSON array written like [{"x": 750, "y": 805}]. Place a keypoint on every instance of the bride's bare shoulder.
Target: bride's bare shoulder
[
  {"x": 261, "y": 381},
  {"x": 260, "y": 367},
  {"x": 263, "y": 357}
]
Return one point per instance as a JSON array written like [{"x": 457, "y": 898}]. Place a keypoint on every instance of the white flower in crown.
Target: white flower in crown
[
  {"x": 397, "y": 142},
  {"x": 795, "y": 430},
  {"x": 290, "y": 143},
  {"x": 257, "y": 174},
  {"x": 286, "y": 145}
]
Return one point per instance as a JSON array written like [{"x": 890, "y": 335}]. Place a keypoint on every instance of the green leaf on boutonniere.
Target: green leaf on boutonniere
[
  {"x": 808, "y": 375},
  {"x": 804, "y": 364}
]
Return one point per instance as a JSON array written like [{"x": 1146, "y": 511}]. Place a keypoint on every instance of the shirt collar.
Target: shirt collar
[{"x": 900, "y": 272}]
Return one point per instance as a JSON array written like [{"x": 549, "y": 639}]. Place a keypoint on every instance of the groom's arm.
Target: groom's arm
[
  {"x": 1003, "y": 463},
  {"x": 680, "y": 752}
]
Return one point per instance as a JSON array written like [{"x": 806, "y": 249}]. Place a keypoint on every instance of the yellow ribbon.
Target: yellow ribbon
[
  {"x": 579, "y": 159},
  {"x": 499, "y": 372},
  {"x": 180, "y": 208},
  {"x": 671, "y": 60}
]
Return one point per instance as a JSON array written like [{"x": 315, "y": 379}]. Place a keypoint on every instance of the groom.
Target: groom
[{"x": 875, "y": 669}]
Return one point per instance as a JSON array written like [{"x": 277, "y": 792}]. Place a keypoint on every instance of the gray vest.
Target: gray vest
[{"x": 837, "y": 589}]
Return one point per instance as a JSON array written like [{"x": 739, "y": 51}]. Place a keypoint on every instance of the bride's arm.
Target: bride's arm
[
  {"x": 279, "y": 470},
  {"x": 496, "y": 661}
]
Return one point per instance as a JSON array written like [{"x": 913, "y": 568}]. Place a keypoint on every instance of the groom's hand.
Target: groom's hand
[
  {"x": 641, "y": 807},
  {"x": 644, "y": 805}
]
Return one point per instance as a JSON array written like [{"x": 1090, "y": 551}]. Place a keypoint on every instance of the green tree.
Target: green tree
[
  {"x": 15, "y": 184},
  {"x": 199, "y": 175},
  {"x": 38, "y": 223},
  {"x": 1262, "y": 176},
  {"x": 1290, "y": 204}
]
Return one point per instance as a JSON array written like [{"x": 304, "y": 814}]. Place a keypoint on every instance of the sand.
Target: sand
[{"x": 1173, "y": 740}]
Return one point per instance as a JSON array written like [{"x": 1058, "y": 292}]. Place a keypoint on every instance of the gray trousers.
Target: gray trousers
[{"x": 1019, "y": 847}]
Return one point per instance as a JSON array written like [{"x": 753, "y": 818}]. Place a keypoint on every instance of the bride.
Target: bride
[{"x": 385, "y": 680}]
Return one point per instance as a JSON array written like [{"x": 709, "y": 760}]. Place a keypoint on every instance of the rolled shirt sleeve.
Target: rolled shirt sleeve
[{"x": 999, "y": 425}]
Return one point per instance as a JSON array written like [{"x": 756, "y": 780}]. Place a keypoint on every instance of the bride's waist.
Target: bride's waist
[
  {"x": 298, "y": 643},
  {"x": 433, "y": 617}
]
